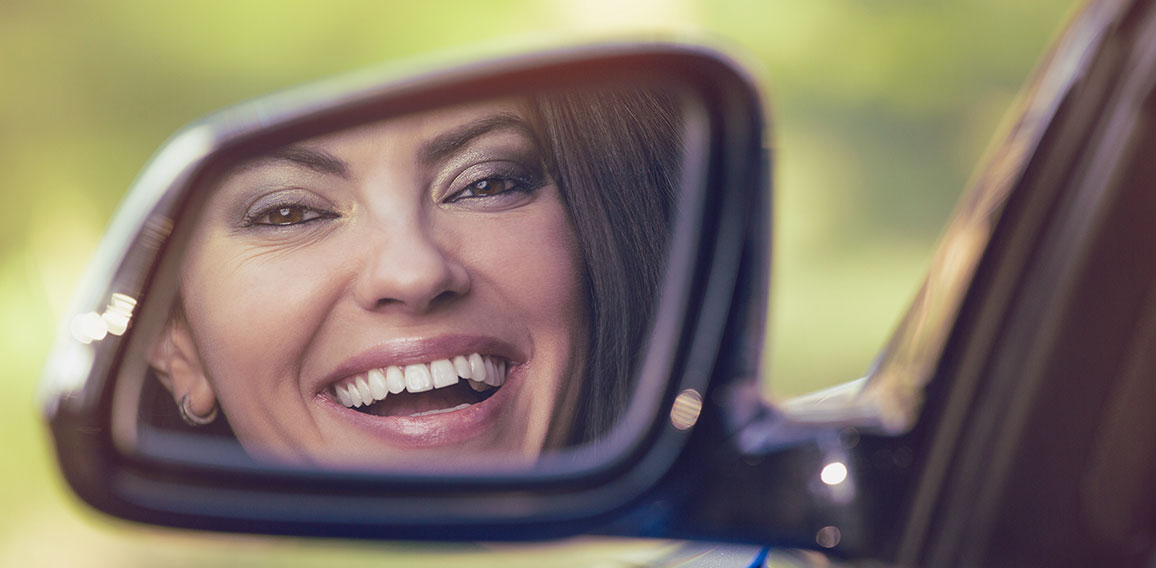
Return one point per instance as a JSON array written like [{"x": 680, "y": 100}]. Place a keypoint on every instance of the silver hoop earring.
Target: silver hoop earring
[{"x": 194, "y": 419}]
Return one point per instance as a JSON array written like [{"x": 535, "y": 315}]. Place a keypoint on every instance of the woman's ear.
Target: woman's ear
[{"x": 177, "y": 364}]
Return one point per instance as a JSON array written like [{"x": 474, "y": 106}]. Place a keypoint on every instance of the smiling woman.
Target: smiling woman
[{"x": 470, "y": 280}]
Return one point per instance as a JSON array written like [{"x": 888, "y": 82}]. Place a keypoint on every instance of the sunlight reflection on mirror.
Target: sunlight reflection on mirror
[{"x": 463, "y": 284}]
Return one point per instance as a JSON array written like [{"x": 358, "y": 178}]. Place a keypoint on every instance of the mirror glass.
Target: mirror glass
[{"x": 474, "y": 283}]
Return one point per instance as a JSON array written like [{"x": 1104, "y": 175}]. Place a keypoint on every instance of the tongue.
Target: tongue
[{"x": 408, "y": 404}]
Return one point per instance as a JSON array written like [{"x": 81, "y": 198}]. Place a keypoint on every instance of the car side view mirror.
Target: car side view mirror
[{"x": 521, "y": 294}]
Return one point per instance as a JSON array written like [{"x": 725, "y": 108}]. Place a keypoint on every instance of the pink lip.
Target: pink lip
[{"x": 432, "y": 430}]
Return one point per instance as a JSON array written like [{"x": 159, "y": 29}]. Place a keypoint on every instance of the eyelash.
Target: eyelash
[
  {"x": 520, "y": 182},
  {"x": 256, "y": 219}
]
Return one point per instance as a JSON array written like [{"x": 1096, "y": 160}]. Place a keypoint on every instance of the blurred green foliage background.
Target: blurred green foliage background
[{"x": 881, "y": 109}]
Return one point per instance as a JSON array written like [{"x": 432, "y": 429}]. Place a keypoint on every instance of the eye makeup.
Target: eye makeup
[
  {"x": 494, "y": 184},
  {"x": 284, "y": 214},
  {"x": 496, "y": 170},
  {"x": 279, "y": 208}
]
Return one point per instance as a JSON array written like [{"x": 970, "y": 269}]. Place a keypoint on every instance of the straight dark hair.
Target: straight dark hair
[{"x": 616, "y": 155}]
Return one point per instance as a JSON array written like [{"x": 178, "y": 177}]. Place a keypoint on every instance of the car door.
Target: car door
[{"x": 1037, "y": 425}]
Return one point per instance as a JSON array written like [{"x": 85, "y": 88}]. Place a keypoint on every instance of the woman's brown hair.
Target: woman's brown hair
[{"x": 616, "y": 155}]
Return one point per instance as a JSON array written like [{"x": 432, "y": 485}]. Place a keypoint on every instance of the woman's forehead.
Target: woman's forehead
[{"x": 426, "y": 137}]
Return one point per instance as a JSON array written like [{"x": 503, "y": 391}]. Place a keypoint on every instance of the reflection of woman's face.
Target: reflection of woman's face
[{"x": 339, "y": 289}]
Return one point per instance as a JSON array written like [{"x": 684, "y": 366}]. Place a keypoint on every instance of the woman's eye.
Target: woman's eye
[
  {"x": 487, "y": 187},
  {"x": 283, "y": 215}
]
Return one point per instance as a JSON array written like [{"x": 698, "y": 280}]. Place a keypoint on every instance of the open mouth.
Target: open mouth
[{"x": 423, "y": 389}]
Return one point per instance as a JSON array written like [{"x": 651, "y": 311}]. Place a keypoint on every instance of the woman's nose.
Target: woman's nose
[{"x": 407, "y": 269}]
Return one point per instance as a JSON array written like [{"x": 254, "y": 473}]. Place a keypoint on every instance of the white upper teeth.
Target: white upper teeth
[
  {"x": 394, "y": 380},
  {"x": 483, "y": 371},
  {"x": 417, "y": 378},
  {"x": 377, "y": 386},
  {"x": 443, "y": 373}
]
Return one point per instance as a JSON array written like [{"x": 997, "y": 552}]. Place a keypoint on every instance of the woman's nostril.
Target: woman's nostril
[{"x": 445, "y": 297}]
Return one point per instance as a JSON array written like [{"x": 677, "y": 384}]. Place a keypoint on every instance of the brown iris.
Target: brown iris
[
  {"x": 487, "y": 187},
  {"x": 286, "y": 215}
]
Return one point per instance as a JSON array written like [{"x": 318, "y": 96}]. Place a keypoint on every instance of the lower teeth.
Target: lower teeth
[{"x": 441, "y": 411}]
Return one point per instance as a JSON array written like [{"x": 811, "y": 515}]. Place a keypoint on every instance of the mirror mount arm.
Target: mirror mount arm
[{"x": 764, "y": 483}]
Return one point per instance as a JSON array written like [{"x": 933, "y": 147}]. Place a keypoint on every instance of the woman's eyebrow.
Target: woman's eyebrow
[
  {"x": 443, "y": 145},
  {"x": 316, "y": 160}
]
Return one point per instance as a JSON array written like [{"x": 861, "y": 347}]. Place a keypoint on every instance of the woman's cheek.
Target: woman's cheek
[
  {"x": 258, "y": 310},
  {"x": 534, "y": 260},
  {"x": 561, "y": 274}
]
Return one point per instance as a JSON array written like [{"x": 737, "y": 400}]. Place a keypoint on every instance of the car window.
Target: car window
[{"x": 874, "y": 145}]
